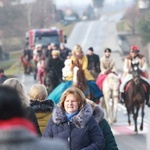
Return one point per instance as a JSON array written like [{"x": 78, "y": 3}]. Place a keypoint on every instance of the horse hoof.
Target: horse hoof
[
  {"x": 141, "y": 128},
  {"x": 136, "y": 131}
]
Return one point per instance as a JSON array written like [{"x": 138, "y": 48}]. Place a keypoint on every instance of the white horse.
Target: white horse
[{"x": 111, "y": 92}]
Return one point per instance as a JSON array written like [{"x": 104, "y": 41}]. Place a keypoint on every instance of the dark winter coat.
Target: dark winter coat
[
  {"x": 64, "y": 53},
  {"x": 22, "y": 139},
  {"x": 110, "y": 143},
  {"x": 56, "y": 65},
  {"x": 93, "y": 62},
  {"x": 81, "y": 133},
  {"x": 30, "y": 114},
  {"x": 43, "y": 110},
  {"x": 48, "y": 53}
]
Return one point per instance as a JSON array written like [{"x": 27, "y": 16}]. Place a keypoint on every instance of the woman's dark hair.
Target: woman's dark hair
[{"x": 10, "y": 103}]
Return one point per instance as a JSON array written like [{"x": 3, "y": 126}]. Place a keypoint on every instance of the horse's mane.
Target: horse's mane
[{"x": 79, "y": 79}]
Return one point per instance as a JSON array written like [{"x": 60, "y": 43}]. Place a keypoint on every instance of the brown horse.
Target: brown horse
[
  {"x": 27, "y": 65},
  {"x": 80, "y": 81},
  {"x": 135, "y": 97}
]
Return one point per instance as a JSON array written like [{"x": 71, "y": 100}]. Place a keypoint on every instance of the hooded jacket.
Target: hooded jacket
[
  {"x": 81, "y": 133},
  {"x": 110, "y": 143},
  {"x": 43, "y": 110}
]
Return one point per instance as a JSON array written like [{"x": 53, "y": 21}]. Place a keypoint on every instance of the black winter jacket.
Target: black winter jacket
[
  {"x": 56, "y": 65},
  {"x": 110, "y": 142}
]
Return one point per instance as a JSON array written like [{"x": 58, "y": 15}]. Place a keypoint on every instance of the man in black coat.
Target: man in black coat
[
  {"x": 64, "y": 51},
  {"x": 93, "y": 62}
]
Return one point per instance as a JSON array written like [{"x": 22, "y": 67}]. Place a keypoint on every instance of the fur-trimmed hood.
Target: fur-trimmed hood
[
  {"x": 42, "y": 106},
  {"x": 79, "y": 120},
  {"x": 98, "y": 114}
]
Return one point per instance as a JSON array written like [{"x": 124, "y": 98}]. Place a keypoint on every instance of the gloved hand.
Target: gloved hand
[{"x": 107, "y": 72}]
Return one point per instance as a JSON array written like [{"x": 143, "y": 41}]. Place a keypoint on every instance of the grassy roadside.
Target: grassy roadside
[
  {"x": 13, "y": 66},
  {"x": 123, "y": 26}
]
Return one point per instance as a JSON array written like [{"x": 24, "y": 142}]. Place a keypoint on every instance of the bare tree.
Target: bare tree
[
  {"x": 132, "y": 16},
  {"x": 42, "y": 13}
]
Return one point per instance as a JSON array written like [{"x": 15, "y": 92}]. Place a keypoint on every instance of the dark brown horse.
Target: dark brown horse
[
  {"x": 27, "y": 65},
  {"x": 135, "y": 97}
]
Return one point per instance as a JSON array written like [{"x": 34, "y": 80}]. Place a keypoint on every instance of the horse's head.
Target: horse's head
[{"x": 136, "y": 74}]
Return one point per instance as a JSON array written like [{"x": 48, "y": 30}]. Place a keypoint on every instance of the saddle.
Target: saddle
[{"x": 128, "y": 85}]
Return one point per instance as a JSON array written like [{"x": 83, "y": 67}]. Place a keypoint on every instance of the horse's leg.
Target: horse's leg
[
  {"x": 142, "y": 115},
  {"x": 115, "y": 109},
  {"x": 115, "y": 104},
  {"x": 106, "y": 98},
  {"x": 129, "y": 120},
  {"x": 135, "y": 115}
]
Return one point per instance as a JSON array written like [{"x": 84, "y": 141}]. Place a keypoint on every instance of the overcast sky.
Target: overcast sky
[
  {"x": 72, "y": 2},
  {"x": 81, "y": 2}
]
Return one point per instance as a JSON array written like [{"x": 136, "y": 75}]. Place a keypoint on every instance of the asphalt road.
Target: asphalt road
[{"x": 101, "y": 34}]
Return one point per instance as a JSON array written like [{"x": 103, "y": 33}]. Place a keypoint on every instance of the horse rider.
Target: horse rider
[
  {"x": 56, "y": 64},
  {"x": 26, "y": 58},
  {"x": 107, "y": 65},
  {"x": 93, "y": 62},
  {"x": 77, "y": 56},
  {"x": 140, "y": 60}
]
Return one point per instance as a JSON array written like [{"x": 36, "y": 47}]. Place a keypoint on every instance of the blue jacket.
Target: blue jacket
[{"x": 81, "y": 133}]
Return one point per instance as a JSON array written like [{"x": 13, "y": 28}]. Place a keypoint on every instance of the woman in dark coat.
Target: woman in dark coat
[
  {"x": 15, "y": 83},
  {"x": 72, "y": 121},
  {"x": 110, "y": 143}
]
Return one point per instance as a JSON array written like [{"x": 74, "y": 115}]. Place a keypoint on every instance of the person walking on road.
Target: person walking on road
[
  {"x": 16, "y": 132},
  {"x": 110, "y": 142},
  {"x": 16, "y": 84},
  {"x": 43, "y": 108},
  {"x": 73, "y": 122}
]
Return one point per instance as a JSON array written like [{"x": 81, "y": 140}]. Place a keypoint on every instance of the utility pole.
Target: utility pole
[{"x": 29, "y": 15}]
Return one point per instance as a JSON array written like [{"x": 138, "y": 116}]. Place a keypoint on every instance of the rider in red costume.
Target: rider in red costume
[{"x": 135, "y": 58}]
